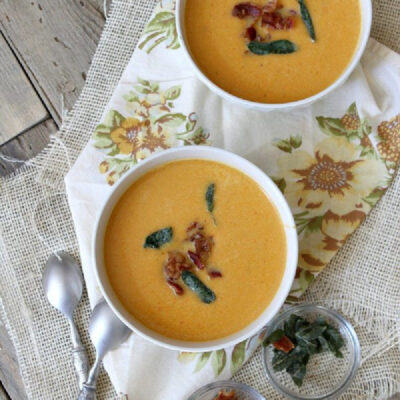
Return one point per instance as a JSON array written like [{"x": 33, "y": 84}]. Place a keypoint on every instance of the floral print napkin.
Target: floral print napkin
[{"x": 332, "y": 160}]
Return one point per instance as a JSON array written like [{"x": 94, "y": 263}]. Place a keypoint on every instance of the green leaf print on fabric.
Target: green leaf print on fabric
[
  {"x": 288, "y": 145},
  {"x": 162, "y": 28},
  {"x": 238, "y": 356},
  {"x": 202, "y": 361},
  {"x": 218, "y": 361}
]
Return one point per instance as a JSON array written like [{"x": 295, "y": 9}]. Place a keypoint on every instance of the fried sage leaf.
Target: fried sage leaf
[
  {"x": 205, "y": 294},
  {"x": 275, "y": 47},
  {"x": 306, "y": 17},
  {"x": 210, "y": 197},
  {"x": 273, "y": 337},
  {"x": 159, "y": 238},
  {"x": 335, "y": 340}
]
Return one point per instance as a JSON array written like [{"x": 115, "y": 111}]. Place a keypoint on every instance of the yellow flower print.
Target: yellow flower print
[
  {"x": 334, "y": 178},
  {"x": 128, "y": 136},
  {"x": 151, "y": 125},
  {"x": 341, "y": 227},
  {"x": 316, "y": 250}
]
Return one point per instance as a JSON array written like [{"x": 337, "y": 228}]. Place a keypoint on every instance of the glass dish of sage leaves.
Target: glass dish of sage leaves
[{"x": 311, "y": 352}]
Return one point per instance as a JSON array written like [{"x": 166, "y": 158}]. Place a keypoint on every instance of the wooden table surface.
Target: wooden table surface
[{"x": 46, "y": 47}]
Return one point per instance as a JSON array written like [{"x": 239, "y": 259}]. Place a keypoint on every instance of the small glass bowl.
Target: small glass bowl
[
  {"x": 327, "y": 376},
  {"x": 210, "y": 391}
]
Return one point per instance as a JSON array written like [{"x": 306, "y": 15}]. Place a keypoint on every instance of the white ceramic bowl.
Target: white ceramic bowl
[
  {"x": 366, "y": 16},
  {"x": 213, "y": 154}
]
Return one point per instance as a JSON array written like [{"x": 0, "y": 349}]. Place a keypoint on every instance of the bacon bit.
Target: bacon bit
[
  {"x": 225, "y": 395},
  {"x": 194, "y": 226},
  {"x": 192, "y": 230},
  {"x": 270, "y": 6},
  {"x": 177, "y": 289},
  {"x": 175, "y": 264},
  {"x": 251, "y": 33},
  {"x": 214, "y": 274},
  {"x": 203, "y": 246},
  {"x": 276, "y": 21},
  {"x": 243, "y": 10},
  {"x": 284, "y": 344},
  {"x": 196, "y": 260}
]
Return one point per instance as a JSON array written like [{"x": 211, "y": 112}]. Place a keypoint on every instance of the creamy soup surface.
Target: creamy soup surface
[
  {"x": 249, "y": 249},
  {"x": 216, "y": 40}
]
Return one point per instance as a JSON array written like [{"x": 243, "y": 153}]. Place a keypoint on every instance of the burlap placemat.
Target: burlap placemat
[{"x": 35, "y": 220}]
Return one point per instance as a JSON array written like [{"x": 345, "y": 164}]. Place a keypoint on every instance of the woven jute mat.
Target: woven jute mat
[{"x": 35, "y": 220}]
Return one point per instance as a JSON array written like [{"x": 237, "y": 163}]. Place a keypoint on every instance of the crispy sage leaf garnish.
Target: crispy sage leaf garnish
[
  {"x": 210, "y": 197},
  {"x": 159, "y": 238},
  {"x": 275, "y": 47},
  {"x": 274, "y": 337},
  {"x": 306, "y": 17},
  {"x": 299, "y": 340},
  {"x": 205, "y": 294}
]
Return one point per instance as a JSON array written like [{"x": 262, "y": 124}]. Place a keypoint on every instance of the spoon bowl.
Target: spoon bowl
[
  {"x": 107, "y": 332},
  {"x": 63, "y": 285}
]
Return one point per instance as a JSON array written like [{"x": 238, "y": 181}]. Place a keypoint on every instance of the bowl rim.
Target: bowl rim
[
  {"x": 226, "y": 384},
  {"x": 234, "y": 161},
  {"x": 366, "y": 24},
  {"x": 343, "y": 322}
]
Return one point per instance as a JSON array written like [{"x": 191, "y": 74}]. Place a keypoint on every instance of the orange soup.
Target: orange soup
[
  {"x": 219, "y": 33},
  {"x": 195, "y": 250}
]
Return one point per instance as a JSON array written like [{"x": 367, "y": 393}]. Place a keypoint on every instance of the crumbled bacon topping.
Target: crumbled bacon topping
[
  {"x": 251, "y": 33},
  {"x": 284, "y": 344},
  {"x": 203, "y": 244},
  {"x": 243, "y": 10},
  {"x": 175, "y": 264},
  {"x": 214, "y": 274},
  {"x": 226, "y": 395},
  {"x": 271, "y": 17},
  {"x": 175, "y": 287},
  {"x": 276, "y": 21},
  {"x": 177, "y": 261},
  {"x": 196, "y": 260}
]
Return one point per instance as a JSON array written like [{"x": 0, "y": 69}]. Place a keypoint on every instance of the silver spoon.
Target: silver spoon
[
  {"x": 62, "y": 284},
  {"x": 107, "y": 333}
]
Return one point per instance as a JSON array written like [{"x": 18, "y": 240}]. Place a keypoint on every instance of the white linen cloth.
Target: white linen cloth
[{"x": 161, "y": 77}]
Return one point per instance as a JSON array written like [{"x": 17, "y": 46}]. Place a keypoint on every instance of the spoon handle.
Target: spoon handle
[
  {"x": 79, "y": 356},
  {"x": 88, "y": 392}
]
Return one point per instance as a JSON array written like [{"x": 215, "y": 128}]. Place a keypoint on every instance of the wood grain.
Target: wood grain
[
  {"x": 54, "y": 41},
  {"x": 9, "y": 370},
  {"x": 25, "y": 146},
  {"x": 20, "y": 106}
]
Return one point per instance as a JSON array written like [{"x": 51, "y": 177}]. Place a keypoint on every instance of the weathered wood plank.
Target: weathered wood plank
[
  {"x": 20, "y": 106},
  {"x": 25, "y": 146},
  {"x": 9, "y": 371},
  {"x": 54, "y": 41}
]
